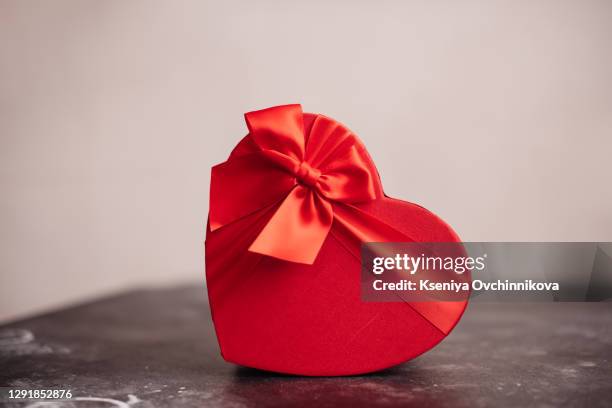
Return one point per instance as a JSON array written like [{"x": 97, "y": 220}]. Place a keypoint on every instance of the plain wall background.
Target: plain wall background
[{"x": 497, "y": 115}]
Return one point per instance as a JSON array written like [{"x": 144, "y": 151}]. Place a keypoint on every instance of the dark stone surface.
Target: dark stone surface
[{"x": 156, "y": 348}]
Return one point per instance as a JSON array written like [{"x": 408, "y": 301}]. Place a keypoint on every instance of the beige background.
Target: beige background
[{"x": 497, "y": 115}]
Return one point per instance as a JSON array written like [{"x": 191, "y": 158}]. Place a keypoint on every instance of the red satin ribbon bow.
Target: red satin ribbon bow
[{"x": 313, "y": 178}]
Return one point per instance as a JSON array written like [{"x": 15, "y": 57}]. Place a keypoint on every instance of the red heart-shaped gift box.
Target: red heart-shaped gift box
[{"x": 305, "y": 316}]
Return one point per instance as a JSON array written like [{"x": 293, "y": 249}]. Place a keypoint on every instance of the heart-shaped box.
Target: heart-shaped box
[{"x": 305, "y": 316}]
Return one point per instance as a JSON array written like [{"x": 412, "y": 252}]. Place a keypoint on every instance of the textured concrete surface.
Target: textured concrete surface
[{"x": 156, "y": 348}]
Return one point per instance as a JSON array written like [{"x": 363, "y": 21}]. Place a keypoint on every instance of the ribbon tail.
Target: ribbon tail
[
  {"x": 357, "y": 226},
  {"x": 297, "y": 229}
]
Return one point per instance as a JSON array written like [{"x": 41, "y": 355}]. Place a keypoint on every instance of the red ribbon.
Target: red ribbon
[{"x": 312, "y": 178}]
